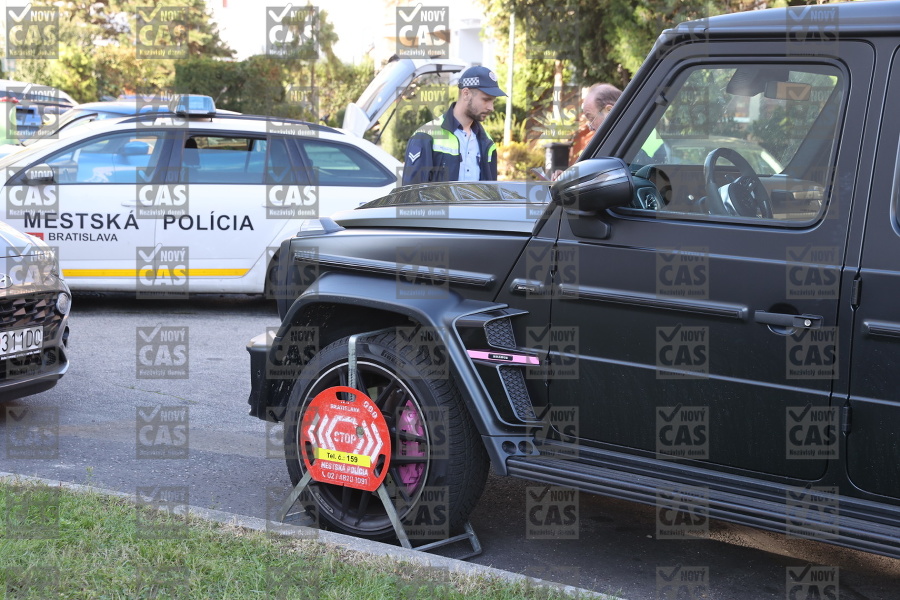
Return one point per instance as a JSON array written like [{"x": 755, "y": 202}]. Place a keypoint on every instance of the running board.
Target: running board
[{"x": 797, "y": 511}]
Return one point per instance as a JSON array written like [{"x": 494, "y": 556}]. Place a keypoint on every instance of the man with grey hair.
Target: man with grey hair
[{"x": 598, "y": 102}]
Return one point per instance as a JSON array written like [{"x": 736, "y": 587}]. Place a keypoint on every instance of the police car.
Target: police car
[{"x": 187, "y": 200}]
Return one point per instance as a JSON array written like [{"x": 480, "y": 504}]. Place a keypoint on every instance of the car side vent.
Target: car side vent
[
  {"x": 499, "y": 333},
  {"x": 514, "y": 382}
]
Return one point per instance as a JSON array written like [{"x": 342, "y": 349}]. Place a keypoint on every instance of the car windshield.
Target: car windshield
[{"x": 71, "y": 118}]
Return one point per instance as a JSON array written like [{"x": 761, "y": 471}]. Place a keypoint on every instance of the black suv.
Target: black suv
[{"x": 657, "y": 326}]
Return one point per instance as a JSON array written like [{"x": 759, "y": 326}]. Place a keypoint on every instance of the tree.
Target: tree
[
  {"x": 97, "y": 49},
  {"x": 603, "y": 40}
]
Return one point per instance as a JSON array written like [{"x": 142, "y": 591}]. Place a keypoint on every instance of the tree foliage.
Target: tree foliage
[
  {"x": 602, "y": 40},
  {"x": 97, "y": 56}
]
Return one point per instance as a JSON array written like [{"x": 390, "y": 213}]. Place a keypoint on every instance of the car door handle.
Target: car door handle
[{"x": 786, "y": 320}]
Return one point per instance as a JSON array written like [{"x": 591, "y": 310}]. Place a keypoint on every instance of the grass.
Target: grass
[{"x": 57, "y": 543}]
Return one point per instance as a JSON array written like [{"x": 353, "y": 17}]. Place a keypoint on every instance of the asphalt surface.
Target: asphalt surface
[{"x": 104, "y": 426}]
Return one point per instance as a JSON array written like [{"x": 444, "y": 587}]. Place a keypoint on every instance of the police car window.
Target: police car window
[
  {"x": 339, "y": 164},
  {"x": 220, "y": 159},
  {"x": 116, "y": 158},
  {"x": 779, "y": 123}
]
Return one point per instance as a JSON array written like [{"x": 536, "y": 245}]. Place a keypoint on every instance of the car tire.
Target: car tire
[{"x": 435, "y": 446}]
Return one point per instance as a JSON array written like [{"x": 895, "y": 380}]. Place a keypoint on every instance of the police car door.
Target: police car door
[
  {"x": 222, "y": 228},
  {"x": 81, "y": 200}
]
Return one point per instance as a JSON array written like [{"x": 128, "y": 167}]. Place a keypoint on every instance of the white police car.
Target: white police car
[{"x": 188, "y": 200}]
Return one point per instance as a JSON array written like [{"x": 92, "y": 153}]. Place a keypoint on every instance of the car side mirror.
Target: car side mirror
[
  {"x": 40, "y": 174},
  {"x": 594, "y": 184}
]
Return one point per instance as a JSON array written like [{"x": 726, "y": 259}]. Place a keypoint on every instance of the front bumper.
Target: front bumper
[{"x": 29, "y": 374}]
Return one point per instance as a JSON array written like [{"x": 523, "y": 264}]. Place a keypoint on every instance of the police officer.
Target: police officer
[{"x": 455, "y": 147}]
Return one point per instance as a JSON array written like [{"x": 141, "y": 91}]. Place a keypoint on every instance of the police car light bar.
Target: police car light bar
[{"x": 193, "y": 105}]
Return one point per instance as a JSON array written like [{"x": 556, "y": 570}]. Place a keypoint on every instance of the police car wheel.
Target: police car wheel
[{"x": 438, "y": 464}]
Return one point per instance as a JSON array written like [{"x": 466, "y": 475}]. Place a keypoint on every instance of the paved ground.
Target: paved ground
[{"x": 102, "y": 409}]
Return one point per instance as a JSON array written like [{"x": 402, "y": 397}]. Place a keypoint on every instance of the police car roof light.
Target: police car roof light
[{"x": 193, "y": 105}]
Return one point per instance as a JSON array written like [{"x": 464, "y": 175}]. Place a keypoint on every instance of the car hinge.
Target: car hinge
[
  {"x": 855, "y": 291},
  {"x": 554, "y": 259},
  {"x": 845, "y": 418}
]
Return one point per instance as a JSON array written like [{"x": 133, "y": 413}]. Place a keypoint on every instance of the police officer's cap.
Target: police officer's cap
[{"x": 480, "y": 78}]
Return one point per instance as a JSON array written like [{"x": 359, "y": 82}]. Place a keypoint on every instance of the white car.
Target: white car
[{"x": 185, "y": 201}]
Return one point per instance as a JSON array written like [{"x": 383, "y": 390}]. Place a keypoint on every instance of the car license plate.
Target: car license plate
[{"x": 21, "y": 341}]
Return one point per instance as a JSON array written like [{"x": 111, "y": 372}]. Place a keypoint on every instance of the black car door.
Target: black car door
[
  {"x": 873, "y": 445},
  {"x": 703, "y": 325}
]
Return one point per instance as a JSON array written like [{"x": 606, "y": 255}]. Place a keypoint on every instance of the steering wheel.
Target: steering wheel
[{"x": 745, "y": 197}]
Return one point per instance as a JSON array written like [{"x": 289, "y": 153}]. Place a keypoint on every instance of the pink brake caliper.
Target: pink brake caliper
[{"x": 412, "y": 424}]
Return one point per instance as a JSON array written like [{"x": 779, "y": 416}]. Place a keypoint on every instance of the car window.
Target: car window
[
  {"x": 781, "y": 120},
  {"x": 341, "y": 164},
  {"x": 115, "y": 158},
  {"x": 221, "y": 159}
]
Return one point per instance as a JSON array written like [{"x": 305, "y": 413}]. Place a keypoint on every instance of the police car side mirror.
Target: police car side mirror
[
  {"x": 39, "y": 175},
  {"x": 594, "y": 184}
]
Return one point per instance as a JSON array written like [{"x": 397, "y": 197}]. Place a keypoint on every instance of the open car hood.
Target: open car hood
[{"x": 387, "y": 87}]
